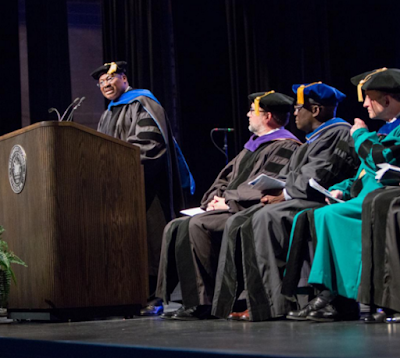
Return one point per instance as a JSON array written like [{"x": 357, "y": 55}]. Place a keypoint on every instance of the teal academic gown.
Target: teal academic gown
[{"x": 337, "y": 260}]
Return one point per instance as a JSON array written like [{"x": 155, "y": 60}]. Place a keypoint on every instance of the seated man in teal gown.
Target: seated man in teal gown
[{"x": 336, "y": 228}]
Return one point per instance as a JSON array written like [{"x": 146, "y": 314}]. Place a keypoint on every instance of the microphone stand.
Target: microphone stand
[
  {"x": 52, "y": 109},
  {"x": 224, "y": 150},
  {"x": 71, "y": 115},
  {"x": 225, "y": 147},
  {"x": 66, "y": 111}
]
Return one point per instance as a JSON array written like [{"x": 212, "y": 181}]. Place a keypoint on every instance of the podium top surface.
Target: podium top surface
[{"x": 77, "y": 126}]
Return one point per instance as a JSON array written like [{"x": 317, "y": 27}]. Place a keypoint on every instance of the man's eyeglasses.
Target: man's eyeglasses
[
  {"x": 107, "y": 81},
  {"x": 297, "y": 107},
  {"x": 251, "y": 110}
]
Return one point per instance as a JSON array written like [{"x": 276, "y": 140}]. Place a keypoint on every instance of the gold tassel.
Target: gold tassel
[
  {"x": 359, "y": 91},
  {"x": 113, "y": 68},
  {"x": 257, "y": 102},
  {"x": 300, "y": 92},
  {"x": 367, "y": 78}
]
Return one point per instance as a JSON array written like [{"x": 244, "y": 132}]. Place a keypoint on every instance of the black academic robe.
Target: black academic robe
[
  {"x": 255, "y": 241},
  {"x": 380, "y": 277},
  {"x": 190, "y": 246},
  {"x": 144, "y": 123},
  {"x": 301, "y": 254}
]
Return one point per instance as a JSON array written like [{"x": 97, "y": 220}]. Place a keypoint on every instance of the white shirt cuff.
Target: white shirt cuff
[{"x": 286, "y": 195}]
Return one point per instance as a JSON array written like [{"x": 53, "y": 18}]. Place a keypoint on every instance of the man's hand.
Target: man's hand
[
  {"x": 358, "y": 123},
  {"x": 217, "y": 203},
  {"x": 273, "y": 199},
  {"x": 338, "y": 194}
]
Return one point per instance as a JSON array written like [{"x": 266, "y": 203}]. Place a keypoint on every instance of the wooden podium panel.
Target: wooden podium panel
[{"x": 79, "y": 222}]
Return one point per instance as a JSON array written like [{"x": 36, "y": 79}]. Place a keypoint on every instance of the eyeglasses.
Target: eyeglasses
[
  {"x": 251, "y": 110},
  {"x": 107, "y": 81},
  {"x": 297, "y": 107}
]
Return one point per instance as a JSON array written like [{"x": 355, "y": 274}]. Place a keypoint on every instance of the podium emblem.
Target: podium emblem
[{"x": 17, "y": 168}]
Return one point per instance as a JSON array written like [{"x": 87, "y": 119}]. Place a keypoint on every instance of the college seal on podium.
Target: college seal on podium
[{"x": 17, "y": 168}]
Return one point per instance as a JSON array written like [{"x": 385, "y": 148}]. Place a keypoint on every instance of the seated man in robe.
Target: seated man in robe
[
  {"x": 191, "y": 245},
  {"x": 380, "y": 280},
  {"x": 137, "y": 117},
  {"x": 336, "y": 268},
  {"x": 255, "y": 241}
]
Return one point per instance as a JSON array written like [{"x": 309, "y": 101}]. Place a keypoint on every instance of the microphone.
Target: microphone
[
  {"x": 224, "y": 129},
  {"x": 52, "y": 109},
  {"x": 69, "y": 119},
  {"x": 80, "y": 102},
  {"x": 224, "y": 151},
  {"x": 66, "y": 111}
]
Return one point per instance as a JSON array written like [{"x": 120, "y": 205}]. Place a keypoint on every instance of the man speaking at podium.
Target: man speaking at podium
[{"x": 137, "y": 117}]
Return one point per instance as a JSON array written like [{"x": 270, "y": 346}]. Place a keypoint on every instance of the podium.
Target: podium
[{"x": 79, "y": 223}]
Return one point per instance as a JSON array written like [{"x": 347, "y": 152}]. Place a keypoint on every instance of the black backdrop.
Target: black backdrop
[
  {"x": 201, "y": 59},
  {"x": 224, "y": 50},
  {"x": 10, "y": 88}
]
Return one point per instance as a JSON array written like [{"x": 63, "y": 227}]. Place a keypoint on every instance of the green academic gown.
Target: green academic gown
[{"x": 337, "y": 260}]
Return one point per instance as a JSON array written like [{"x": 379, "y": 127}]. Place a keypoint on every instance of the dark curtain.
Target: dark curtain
[
  {"x": 140, "y": 32},
  {"x": 202, "y": 59},
  {"x": 10, "y": 90},
  {"x": 48, "y": 57},
  {"x": 287, "y": 42}
]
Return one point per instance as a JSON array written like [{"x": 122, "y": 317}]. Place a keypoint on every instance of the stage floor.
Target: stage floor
[{"x": 154, "y": 337}]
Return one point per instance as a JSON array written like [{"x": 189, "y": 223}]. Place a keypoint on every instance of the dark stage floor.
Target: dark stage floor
[{"x": 128, "y": 338}]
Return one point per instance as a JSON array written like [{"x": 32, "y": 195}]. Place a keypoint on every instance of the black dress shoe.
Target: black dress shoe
[
  {"x": 194, "y": 313},
  {"x": 329, "y": 314},
  {"x": 377, "y": 317},
  {"x": 325, "y": 314},
  {"x": 170, "y": 314},
  {"x": 314, "y": 305}
]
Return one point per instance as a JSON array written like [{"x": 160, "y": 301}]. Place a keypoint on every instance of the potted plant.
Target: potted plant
[{"x": 7, "y": 258}]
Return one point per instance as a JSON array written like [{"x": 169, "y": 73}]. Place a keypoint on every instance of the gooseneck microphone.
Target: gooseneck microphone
[
  {"x": 224, "y": 149},
  {"x": 224, "y": 129},
  {"x": 52, "y": 109},
  {"x": 71, "y": 115},
  {"x": 66, "y": 111},
  {"x": 80, "y": 102}
]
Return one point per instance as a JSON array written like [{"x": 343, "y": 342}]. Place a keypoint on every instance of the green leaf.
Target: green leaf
[
  {"x": 7, "y": 257},
  {"x": 5, "y": 283},
  {"x": 16, "y": 260}
]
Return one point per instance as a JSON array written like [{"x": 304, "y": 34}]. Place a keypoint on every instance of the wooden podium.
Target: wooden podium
[{"x": 79, "y": 223}]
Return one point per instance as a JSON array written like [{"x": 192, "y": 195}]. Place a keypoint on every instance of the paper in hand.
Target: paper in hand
[
  {"x": 388, "y": 174},
  {"x": 192, "y": 211},
  {"x": 322, "y": 190},
  {"x": 265, "y": 182}
]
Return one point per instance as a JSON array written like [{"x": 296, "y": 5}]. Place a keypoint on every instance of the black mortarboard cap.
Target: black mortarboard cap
[
  {"x": 112, "y": 67},
  {"x": 383, "y": 79},
  {"x": 318, "y": 92},
  {"x": 271, "y": 101}
]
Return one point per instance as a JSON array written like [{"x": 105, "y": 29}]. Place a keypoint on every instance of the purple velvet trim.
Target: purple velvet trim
[{"x": 254, "y": 141}]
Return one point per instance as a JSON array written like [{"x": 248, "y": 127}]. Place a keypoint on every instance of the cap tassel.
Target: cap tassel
[
  {"x": 359, "y": 91},
  {"x": 300, "y": 92},
  {"x": 367, "y": 78},
  {"x": 113, "y": 68},
  {"x": 300, "y": 95},
  {"x": 257, "y": 102}
]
